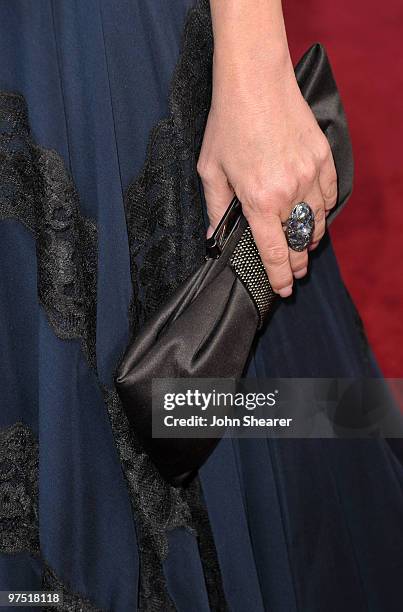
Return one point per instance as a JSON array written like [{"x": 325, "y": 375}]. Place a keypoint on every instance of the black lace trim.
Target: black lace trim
[
  {"x": 72, "y": 602},
  {"x": 163, "y": 205},
  {"x": 158, "y": 508},
  {"x": 19, "y": 516},
  {"x": 166, "y": 234},
  {"x": 36, "y": 189},
  {"x": 18, "y": 490}
]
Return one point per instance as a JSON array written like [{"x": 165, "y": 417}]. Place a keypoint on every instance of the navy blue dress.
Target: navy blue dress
[{"x": 275, "y": 525}]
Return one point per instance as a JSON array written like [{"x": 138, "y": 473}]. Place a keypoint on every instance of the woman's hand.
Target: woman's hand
[{"x": 263, "y": 143}]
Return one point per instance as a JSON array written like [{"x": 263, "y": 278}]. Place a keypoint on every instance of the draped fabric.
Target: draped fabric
[{"x": 271, "y": 525}]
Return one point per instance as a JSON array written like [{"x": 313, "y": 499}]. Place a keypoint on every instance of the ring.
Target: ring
[{"x": 299, "y": 226}]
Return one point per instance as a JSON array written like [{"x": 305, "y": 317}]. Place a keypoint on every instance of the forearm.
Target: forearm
[
  {"x": 262, "y": 141},
  {"x": 249, "y": 40}
]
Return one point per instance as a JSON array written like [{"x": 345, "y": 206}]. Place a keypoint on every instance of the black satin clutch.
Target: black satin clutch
[{"x": 207, "y": 328}]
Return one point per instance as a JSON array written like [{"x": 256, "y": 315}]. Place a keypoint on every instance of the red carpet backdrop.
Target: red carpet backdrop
[{"x": 364, "y": 40}]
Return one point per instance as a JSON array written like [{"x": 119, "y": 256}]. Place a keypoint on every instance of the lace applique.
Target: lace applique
[
  {"x": 18, "y": 490},
  {"x": 36, "y": 189},
  {"x": 72, "y": 602},
  {"x": 163, "y": 205},
  {"x": 19, "y": 185},
  {"x": 67, "y": 256},
  {"x": 19, "y": 517},
  {"x": 160, "y": 508},
  {"x": 157, "y": 507},
  {"x": 166, "y": 234}
]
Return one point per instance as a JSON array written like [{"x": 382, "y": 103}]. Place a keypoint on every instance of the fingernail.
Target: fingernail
[
  {"x": 300, "y": 273},
  {"x": 286, "y": 291}
]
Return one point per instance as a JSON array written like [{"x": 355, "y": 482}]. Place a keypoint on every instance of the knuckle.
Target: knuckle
[
  {"x": 300, "y": 273},
  {"x": 259, "y": 196},
  {"x": 277, "y": 255},
  {"x": 214, "y": 216},
  {"x": 324, "y": 151},
  {"x": 285, "y": 191},
  {"x": 200, "y": 165},
  {"x": 300, "y": 263},
  {"x": 319, "y": 235},
  {"x": 330, "y": 193},
  {"x": 320, "y": 216},
  {"x": 308, "y": 173},
  {"x": 289, "y": 190},
  {"x": 281, "y": 283},
  {"x": 205, "y": 170}
]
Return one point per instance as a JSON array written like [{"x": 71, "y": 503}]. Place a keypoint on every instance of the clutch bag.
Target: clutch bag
[{"x": 206, "y": 329}]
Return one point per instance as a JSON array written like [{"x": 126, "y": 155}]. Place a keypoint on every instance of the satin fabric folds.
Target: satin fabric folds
[
  {"x": 298, "y": 525},
  {"x": 206, "y": 329}
]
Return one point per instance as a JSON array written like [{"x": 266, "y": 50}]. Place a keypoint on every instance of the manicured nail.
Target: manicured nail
[
  {"x": 286, "y": 291},
  {"x": 300, "y": 273}
]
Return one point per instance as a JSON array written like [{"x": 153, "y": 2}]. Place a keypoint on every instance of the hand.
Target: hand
[{"x": 263, "y": 142}]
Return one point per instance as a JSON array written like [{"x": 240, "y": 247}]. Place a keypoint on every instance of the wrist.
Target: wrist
[
  {"x": 250, "y": 42},
  {"x": 252, "y": 78},
  {"x": 256, "y": 59}
]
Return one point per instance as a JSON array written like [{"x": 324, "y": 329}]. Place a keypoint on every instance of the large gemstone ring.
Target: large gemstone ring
[{"x": 299, "y": 226}]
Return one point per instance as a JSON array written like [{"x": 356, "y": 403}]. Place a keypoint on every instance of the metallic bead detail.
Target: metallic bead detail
[
  {"x": 250, "y": 270},
  {"x": 299, "y": 227}
]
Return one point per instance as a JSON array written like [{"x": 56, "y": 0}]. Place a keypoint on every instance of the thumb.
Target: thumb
[{"x": 218, "y": 194}]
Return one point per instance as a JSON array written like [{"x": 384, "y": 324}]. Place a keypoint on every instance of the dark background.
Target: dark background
[{"x": 364, "y": 41}]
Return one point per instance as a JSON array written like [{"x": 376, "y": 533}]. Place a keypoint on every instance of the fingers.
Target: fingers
[
  {"x": 299, "y": 259},
  {"x": 315, "y": 201},
  {"x": 266, "y": 228},
  {"x": 217, "y": 192},
  {"x": 273, "y": 248},
  {"x": 298, "y": 263},
  {"x": 313, "y": 246},
  {"x": 328, "y": 182},
  {"x": 282, "y": 264}
]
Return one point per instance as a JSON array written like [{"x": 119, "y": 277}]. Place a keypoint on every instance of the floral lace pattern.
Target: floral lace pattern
[
  {"x": 72, "y": 602},
  {"x": 157, "y": 507},
  {"x": 36, "y": 189},
  {"x": 18, "y": 490},
  {"x": 166, "y": 234},
  {"x": 19, "y": 520},
  {"x": 163, "y": 204}
]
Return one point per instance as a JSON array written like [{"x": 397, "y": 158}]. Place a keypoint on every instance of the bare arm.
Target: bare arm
[{"x": 262, "y": 140}]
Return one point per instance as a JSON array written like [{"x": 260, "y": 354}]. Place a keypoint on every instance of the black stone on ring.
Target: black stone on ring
[{"x": 299, "y": 226}]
